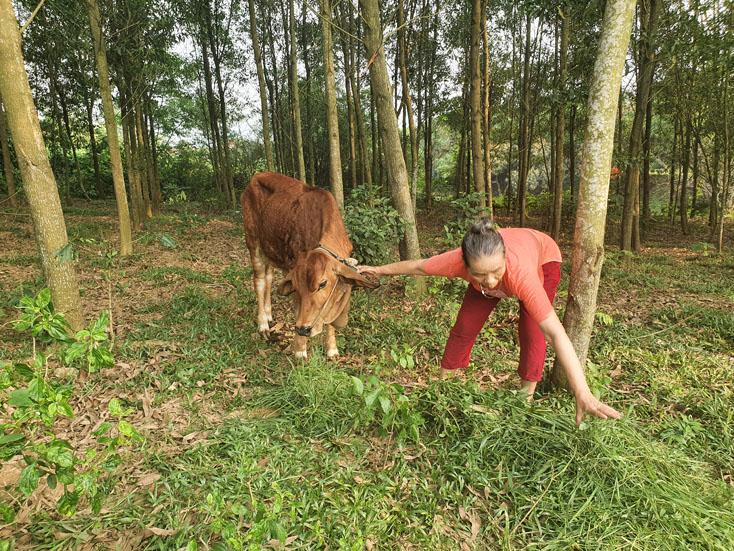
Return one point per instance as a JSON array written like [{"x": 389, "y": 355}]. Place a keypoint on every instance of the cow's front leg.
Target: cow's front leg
[
  {"x": 299, "y": 347},
  {"x": 331, "y": 349}
]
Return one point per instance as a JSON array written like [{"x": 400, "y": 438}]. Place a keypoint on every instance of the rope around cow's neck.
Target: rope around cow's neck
[{"x": 323, "y": 307}]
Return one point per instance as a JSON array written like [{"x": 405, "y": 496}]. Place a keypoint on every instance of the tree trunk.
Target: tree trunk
[
  {"x": 136, "y": 193},
  {"x": 332, "y": 116},
  {"x": 673, "y": 162},
  {"x": 108, "y": 109},
  {"x": 261, "y": 84},
  {"x": 646, "y": 146},
  {"x": 726, "y": 177},
  {"x": 38, "y": 178},
  {"x": 648, "y": 18},
  {"x": 486, "y": 114},
  {"x": 596, "y": 160},
  {"x": 89, "y": 104},
  {"x": 7, "y": 161},
  {"x": 398, "y": 174},
  {"x": 295, "y": 94},
  {"x": 694, "y": 197},
  {"x": 524, "y": 133},
  {"x": 408, "y": 102},
  {"x": 477, "y": 141},
  {"x": 684, "y": 178},
  {"x": 560, "y": 126},
  {"x": 572, "y": 153}
]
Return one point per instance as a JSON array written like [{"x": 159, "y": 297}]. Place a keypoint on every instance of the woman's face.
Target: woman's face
[{"x": 487, "y": 271}]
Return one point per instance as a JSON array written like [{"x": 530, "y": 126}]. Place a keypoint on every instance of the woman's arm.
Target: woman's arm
[
  {"x": 586, "y": 402},
  {"x": 406, "y": 267}
]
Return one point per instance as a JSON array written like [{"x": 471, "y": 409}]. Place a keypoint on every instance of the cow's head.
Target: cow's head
[{"x": 323, "y": 287}]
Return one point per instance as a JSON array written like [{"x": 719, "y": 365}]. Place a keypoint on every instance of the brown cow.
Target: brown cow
[{"x": 298, "y": 228}]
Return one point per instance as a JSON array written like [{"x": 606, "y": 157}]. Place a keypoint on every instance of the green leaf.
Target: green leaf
[
  {"x": 66, "y": 253},
  {"x": 167, "y": 241},
  {"x": 29, "y": 479},
  {"x": 371, "y": 397},
  {"x": 7, "y": 514},
  {"x": 51, "y": 481},
  {"x": 68, "y": 502},
  {"x": 358, "y": 386},
  {"x": 9, "y": 438},
  {"x": 61, "y": 454},
  {"x": 104, "y": 428},
  {"x": 20, "y": 398},
  {"x": 44, "y": 297},
  {"x": 115, "y": 407},
  {"x": 385, "y": 403}
]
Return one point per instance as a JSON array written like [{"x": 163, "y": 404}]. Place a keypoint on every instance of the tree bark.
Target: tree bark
[
  {"x": 560, "y": 125},
  {"x": 486, "y": 113},
  {"x": 38, "y": 178},
  {"x": 398, "y": 174},
  {"x": 408, "y": 102},
  {"x": 261, "y": 85},
  {"x": 523, "y": 148},
  {"x": 475, "y": 104},
  {"x": 295, "y": 99},
  {"x": 7, "y": 161},
  {"x": 646, "y": 146},
  {"x": 596, "y": 159},
  {"x": 108, "y": 110},
  {"x": 332, "y": 116},
  {"x": 684, "y": 178},
  {"x": 648, "y": 19}
]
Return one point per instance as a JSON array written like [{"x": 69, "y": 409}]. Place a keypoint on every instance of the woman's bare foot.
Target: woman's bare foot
[{"x": 529, "y": 387}]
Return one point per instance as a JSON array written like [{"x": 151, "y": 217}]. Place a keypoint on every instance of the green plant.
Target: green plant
[
  {"x": 36, "y": 400},
  {"x": 389, "y": 400},
  {"x": 91, "y": 346},
  {"x": 467, "y": 210},
  {"x": 374, "y": 226}
]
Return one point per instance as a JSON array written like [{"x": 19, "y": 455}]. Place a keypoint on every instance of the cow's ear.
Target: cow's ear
[
  {"x": 355, "y": 278},
  {"x": 286, "y": 286}
]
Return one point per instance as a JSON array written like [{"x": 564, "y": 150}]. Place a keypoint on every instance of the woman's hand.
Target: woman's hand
[
  {"x": 370, "y": 271},
  {"x": 588, "y": 403}
]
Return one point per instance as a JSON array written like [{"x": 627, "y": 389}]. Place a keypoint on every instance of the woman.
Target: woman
[{"x": 499, "y": 263}]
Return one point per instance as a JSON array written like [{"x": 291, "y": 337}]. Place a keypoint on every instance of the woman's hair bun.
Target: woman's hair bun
[{"x": 483, "y": 226}]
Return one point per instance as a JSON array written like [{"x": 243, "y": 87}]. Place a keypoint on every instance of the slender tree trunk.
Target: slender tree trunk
[
  {"x": 646, "y": 146},
  {"x": 7, "y": 161},
  {"x": 726, "y": 177},
  {"x": 560, "y": 125},
  {"x": 673, "y": 163},
  {"x": 523, "y": 148},
  {"x": 261, "y": 85},
  {"x": 158, "y": 197},
  {"x": 596, "y": 159},
  {"x": 408, "y": 102},
  {"x": 694, "y": 197},
  {"x": 486, "y": 112},
  {"x": 684, "y": 178},
  {"x": 38, "y": 178},
  {"x": 398, "y": 174},
  {"x": 572, "y": 153},
  {"x": 332, "y": 116},
  {"x": 137, "y": 210},
  {"x": 108, "y": 110},
  {"x": 89, "y": 104},
  {"x": 477, "y": 140},
  {"x": 295, "y": 94},
  {"x": 648, "y": 18}
]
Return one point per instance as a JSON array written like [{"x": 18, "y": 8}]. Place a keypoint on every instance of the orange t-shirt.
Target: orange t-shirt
[{"x": 526, "y": 251}]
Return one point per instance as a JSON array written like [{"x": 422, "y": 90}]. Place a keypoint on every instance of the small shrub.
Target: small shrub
[{"x": 373, "y": 225}]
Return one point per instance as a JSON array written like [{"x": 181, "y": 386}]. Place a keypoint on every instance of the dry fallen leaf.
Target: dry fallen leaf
[
  {"x": 149, "y": 479},
  {"x": 153, "y": 531}
]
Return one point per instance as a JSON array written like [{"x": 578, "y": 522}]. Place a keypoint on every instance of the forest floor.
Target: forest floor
[{"x": 247, "y": 448}]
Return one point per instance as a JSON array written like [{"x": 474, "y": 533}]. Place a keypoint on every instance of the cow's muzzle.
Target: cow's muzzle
[{"x": 304, "y": 330}]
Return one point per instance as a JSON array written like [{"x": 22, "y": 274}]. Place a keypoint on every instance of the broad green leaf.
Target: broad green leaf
[
  {"x": 29, "y": 479},
  {"x": 358, "y": 386}
]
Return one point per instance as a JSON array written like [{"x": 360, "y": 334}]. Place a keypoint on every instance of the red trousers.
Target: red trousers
[{"x": 475, "y": 310}]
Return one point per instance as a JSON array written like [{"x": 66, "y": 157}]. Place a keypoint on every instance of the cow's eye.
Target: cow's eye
[{"x": 322, "y": 285}]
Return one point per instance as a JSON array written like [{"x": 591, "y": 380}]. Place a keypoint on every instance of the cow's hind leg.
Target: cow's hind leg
[
  {"x": 268, "y": 292},
  {"x": 331, "y": 349},
  {"x": 259, "y": 278}
]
